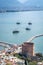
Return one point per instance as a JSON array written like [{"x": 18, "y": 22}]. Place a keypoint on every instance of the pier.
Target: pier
[
  {"x": 4, "y": 44},
  {"x": 9, "y": 45},
  {"x": 32, "y": 38}
]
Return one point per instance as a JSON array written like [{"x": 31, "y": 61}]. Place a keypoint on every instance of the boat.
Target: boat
[
  {"x": 28, "y": 29},
  {"x": 15, "y": 31},
  {"x": 18, "y": 23},
  {"x": 30, "y": 23}
]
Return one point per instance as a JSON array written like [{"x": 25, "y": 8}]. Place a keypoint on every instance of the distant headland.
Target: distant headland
[{"x": 3, "y": 10}]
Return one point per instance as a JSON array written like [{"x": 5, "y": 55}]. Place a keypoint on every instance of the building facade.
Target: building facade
[{"x": 28, "y": 48}]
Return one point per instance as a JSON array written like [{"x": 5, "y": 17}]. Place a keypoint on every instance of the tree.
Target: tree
[
  {"x": 32, "y": 63},
  {"x": 39, "y": 54}
]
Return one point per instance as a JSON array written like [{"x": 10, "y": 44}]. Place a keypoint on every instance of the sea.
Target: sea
[{"x": 8, "y": 24}]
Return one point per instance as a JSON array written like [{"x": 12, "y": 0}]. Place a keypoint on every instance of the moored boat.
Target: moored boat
[
  {"x": 28, "y": 29},
  {"x": 30, "y": 23},
  {"x": 18, "y": 23},
  {"x": 15, "y": 31}
]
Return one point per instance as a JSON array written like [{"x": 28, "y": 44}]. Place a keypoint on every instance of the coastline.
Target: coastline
[
  {"x": 12, "y": 18},
  {"x": 24, "y": 10}
]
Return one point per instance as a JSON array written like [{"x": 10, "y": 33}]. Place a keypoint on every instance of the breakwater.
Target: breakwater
[
  {"x": 5, "y": 44},
  {"x": 32, "y": 38}
]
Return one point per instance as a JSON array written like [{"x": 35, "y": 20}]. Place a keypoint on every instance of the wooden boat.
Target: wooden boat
[
  {"x": 28, "y": 29},
  {"x": 18, "y": 23},
  {"x": 30, "y": 23},
  {"x": 15, "y": 31}
]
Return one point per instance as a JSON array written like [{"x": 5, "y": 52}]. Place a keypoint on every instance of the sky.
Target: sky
[
  {"x": 22, "y": 1},
  {"x": 18, "y": 3}
]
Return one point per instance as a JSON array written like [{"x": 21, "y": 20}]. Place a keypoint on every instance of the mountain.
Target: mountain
[
  {"x": 16, "y": 4},
  {"x": 9, "y": 3}
]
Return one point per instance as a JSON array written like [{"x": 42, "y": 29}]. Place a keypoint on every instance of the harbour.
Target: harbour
[{"x": 8, "y": 24}]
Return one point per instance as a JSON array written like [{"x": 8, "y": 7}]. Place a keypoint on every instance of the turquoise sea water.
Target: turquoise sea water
[
  {"x": 8, "y": 24},
  {"x": 1, "y": 48}
]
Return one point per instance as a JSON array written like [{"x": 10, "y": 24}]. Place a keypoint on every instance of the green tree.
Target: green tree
[
  {"x": 8, "y": 64},
  {"x": 39, "y": 54},
  {"x": 32, "y": 63}
]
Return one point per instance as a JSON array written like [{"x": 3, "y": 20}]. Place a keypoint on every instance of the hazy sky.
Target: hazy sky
[
  {"x": 14, "y": 3},
  {"x": 22, "y": 1}
]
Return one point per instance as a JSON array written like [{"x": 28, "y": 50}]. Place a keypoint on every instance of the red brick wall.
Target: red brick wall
[{"x": 28, "y": 48}]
